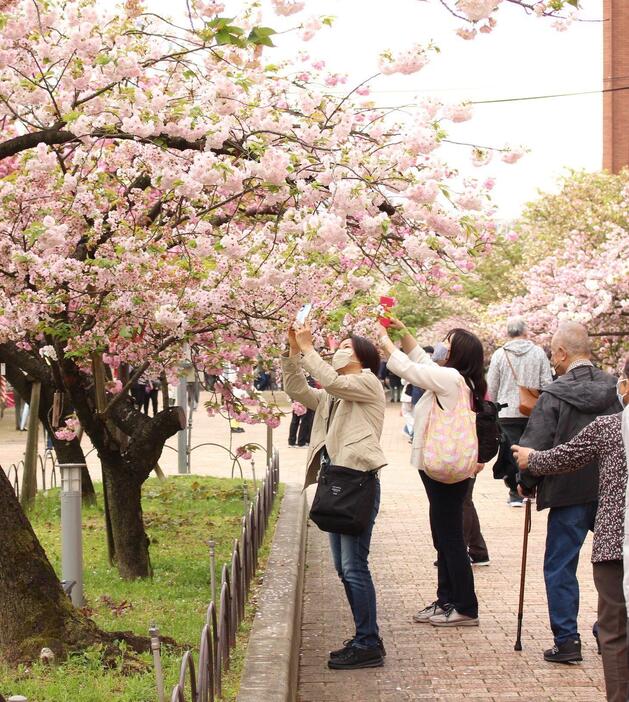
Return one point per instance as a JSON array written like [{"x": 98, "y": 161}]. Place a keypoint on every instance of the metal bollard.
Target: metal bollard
[
  {"x": 71, "y": 530},
  {"x": 253, "y": 473},
  {"x": 157, "y": 660},
  {"x": 245, "y": 496},
  {"x": 182, "y": 435},
  {"x": 212, "y": 569}
]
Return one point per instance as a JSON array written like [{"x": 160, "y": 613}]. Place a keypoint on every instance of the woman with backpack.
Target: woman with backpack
[{"x": 451, "y": 388}]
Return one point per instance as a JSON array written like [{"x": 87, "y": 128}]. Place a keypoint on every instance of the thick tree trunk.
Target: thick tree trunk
[
  {"x": 34, "y": 610},
  {"x": 66, "y": 451},
  {"x": 124, "y": 495}
]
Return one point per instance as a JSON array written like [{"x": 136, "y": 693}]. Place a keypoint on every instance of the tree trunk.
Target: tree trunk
[
  {"x": 34, "y": 610},
  {"x": 124, "y": 494},
  {"x": 66, "y": 451}
]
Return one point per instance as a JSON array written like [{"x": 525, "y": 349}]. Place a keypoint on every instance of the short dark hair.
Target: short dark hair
[
  {"x": 467, "y": 356},
  {"x": 366, "y": 353},
  {"x": 429, "y": 349}
]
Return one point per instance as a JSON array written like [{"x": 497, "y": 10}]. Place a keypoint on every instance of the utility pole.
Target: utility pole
[{"x": 616, "y": 85}]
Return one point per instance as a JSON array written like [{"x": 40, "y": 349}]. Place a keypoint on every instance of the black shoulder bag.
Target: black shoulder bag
[{"x": 344, "y": 500}]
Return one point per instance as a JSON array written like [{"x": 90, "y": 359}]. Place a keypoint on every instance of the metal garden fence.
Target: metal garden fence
[
  {"x": 47, "y": 464},
  {"x": 203, "y": 682}
]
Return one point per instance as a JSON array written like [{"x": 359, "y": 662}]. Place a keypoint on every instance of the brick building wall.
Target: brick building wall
[{"x": 616, "y": 75}]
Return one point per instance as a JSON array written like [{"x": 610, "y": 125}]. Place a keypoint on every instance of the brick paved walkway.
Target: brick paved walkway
[{"x": 425, "y": 663}]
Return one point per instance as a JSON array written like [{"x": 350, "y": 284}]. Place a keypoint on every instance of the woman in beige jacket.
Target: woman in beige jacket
[{"x": 349, "y": 414}]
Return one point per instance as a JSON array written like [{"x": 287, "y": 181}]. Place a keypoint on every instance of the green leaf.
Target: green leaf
[{"x": 260, "y": 36}]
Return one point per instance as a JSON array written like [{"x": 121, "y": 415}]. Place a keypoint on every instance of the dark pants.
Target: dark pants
[
  {"x": 513, "y": 429},
  {"x": 565, "y": 534},
  {"x": 474, "y": 541},
  {"x": 455, "y": 580},
  {"x": 350, "y": 555},
  {"x": 300, "y": 428},
  {"x": 152, "y": 398},
  {"x": 612, "y": 629}
]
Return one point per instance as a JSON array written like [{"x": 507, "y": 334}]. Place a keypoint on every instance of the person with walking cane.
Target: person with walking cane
[
  {"x": 601, "y": 440},
  {"x": 580, "y": 394}
]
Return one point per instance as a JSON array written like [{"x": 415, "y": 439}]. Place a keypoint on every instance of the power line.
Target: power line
[{"x": 547, "y": 97}]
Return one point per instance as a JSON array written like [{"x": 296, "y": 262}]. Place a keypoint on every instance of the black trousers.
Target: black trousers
[
  {"x": 300, "y": 428},
  {"x": 471, "y": 527},
  {"x": 455, "y": 580},
  {"x": 513, "y": 429}
]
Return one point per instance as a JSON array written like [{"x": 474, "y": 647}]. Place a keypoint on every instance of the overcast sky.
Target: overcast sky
[{"x": 523, "y": 57}]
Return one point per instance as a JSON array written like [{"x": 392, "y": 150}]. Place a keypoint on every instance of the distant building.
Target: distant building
[{"x": 616, "y": 85}]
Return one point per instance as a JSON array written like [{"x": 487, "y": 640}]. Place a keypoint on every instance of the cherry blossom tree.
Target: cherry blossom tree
[
  {"x": 573, "y": 261},
  {"x": 169, "y": 190}
]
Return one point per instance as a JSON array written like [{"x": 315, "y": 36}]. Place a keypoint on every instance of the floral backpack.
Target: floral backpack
[{"x": 450, "y": 442}]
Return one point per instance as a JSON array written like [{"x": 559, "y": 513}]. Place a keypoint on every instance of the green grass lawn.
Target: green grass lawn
[{"x": 181, "y": 515}]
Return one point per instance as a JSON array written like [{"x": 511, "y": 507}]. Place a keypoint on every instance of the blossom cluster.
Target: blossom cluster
[{"x": 191, "y": 196}]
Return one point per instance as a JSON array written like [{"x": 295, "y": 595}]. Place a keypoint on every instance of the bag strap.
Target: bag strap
[{"x": 515, "y": 377}]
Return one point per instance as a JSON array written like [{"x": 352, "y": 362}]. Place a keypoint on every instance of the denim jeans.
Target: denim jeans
[
  {"x": 455, "y": 580},
  {"x": 566, "y": 532},
  {"x": 350, "y": 555}
]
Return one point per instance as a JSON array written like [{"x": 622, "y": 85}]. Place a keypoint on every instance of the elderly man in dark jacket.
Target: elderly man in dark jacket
[{"x": 579, "y": 395}]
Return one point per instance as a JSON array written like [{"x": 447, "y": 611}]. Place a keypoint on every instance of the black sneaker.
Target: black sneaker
[
  {"x": 480, "y": 561},
  {"x": 595, "y": 635},
  {"x": 347, "y": 644},
  {"x": 568, "y": 652},
  {"x": 355, "y": 658}
]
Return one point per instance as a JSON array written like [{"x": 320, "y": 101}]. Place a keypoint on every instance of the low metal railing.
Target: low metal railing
[
  {"x": 47, "y": 466},
  {"x": 203, "y": 682}
]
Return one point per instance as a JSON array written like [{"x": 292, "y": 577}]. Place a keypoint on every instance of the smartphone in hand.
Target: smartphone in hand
[{"x": 303, "y": 313}]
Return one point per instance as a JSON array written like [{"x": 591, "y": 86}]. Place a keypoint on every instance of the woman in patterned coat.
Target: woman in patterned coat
[{"x": 602, "y": 440}]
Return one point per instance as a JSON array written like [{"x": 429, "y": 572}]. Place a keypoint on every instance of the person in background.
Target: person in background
[
  {"x": 456, "y": 603},
  {"x": 301, "y": 422},
  {"x": 601, "y": 440},
  {"x": 151, "y": 393},
  {"x": 580, "y": 394},
  {"x": 395, "y": 385},
  {"x": 406, "y": 411},
  {"x": 518, "y": 362},
  {"x": 348, "y": 418}
]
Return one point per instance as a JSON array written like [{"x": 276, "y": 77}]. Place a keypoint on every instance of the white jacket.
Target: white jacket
[{"x": 421, "y": 371}]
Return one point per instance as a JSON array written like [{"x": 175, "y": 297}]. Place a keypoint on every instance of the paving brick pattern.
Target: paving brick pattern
[{"x": 425, "y": 663}]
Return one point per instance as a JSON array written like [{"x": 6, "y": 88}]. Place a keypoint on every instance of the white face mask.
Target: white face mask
[
  {"x": 342, "y": 358},
  {"x": 619, "y": 392}
]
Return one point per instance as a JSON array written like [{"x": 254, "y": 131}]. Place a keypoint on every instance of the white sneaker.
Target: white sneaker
[
  {"x": 424, "y": 615},
  {"x": 453, "y": 618}
]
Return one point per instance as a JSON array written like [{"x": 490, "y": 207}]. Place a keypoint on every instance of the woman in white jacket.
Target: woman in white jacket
[{"x": 456, "y": 603}]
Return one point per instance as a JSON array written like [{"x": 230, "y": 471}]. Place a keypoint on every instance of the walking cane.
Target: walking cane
[{"x": 525, "y": 543}]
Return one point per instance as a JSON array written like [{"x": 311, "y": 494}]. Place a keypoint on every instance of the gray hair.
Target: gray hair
[
  {"x": 574, "y": 339},
  {"x": 516, "y": 326}
]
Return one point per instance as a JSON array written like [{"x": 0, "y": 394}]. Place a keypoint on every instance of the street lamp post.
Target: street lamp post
[{"x": 71, "y": 530}]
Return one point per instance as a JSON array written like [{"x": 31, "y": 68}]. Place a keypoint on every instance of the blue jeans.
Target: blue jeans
[
  {"x": 350, "y": 555},
  {"x": 566, "y": 532}
]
